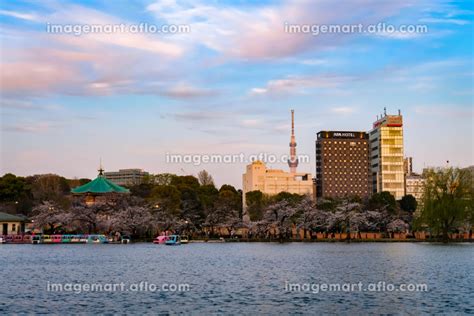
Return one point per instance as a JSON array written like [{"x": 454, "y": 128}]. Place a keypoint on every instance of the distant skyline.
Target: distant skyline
[{"x": 227, "y": 86}]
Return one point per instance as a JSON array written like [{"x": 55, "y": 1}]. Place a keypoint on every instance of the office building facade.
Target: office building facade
[
  {"x": 414, "y": 185},
  {"x": 126, "y": 177},
  {"x": 273, "y": 181},
  {"x": 342, "y": 164},
  {"x": 387, "y": 160}
]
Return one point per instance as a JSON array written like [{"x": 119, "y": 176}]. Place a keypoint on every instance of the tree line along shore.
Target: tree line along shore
[{"x": 167, "y": 203}]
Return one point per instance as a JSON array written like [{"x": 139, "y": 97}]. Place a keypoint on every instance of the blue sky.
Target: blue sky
[{"x": 227, "y": 86}]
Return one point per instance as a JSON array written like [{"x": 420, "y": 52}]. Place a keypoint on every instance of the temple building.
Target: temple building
[{"x": 99, "y": 190}]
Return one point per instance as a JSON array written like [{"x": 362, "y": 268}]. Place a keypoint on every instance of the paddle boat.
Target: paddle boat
[
  {"x": 184, "y": 239},
  {"x": 36, "y": 239},
  {"x": 125, "y": 239},
  {"x": 76, "y": 239},
  {"x": 47, "y": 239},
  {"x": 97, "y": 239},
  {"x": 161, "y": 240},
  {"x": 18, "y": 239},
  {"x": 174, "y": 240},
  {"x": 66, "y": 239}
]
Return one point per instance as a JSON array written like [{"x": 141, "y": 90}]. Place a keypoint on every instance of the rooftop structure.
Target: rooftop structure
[
  {"x": 126, "y": 176},
  {"x": 11, "y": 224},
  {"x": 97, "y": 187}
]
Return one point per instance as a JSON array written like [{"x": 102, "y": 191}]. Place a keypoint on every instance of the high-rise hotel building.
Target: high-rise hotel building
[
  {"x": 387, "y": 163},
  {"x": 343, "y": 164}
]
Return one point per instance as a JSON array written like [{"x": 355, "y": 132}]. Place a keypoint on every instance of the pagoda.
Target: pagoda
[{"x": 99, "y": 190}]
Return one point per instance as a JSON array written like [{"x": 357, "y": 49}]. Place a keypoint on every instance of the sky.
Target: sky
[{"x": 227, "y": 86}]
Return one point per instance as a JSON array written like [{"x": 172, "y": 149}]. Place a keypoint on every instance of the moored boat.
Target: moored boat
[
  {"x": 184, "y": 239},
  {"x": 47, "y": 239},
  {"x": 161, "y": 240},
  {"x": 97, "y": 239},
  {"x": 174, "y": 240},
  {"x": 125, "y": 239}
]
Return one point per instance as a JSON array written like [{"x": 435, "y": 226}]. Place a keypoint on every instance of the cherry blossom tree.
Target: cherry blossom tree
[
  {"x": 49, "y": 216},
  {"x": 132, "y": 220}
]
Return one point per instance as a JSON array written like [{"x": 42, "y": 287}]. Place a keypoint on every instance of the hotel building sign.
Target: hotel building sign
[{"x": 345, "y": 135}]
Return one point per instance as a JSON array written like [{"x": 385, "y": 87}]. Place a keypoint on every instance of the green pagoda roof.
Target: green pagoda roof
[{"x": 100, "y": 185}]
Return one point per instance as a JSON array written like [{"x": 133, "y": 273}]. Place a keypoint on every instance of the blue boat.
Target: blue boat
[
  {"x": 174, "y": 240},
  {"x": 97, "y": 239}
]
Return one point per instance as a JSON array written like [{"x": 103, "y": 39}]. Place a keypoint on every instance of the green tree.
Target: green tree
[
  {"x": 383, "y": 200},
  {"x": 191, "y": 207},
  {"x": 292, "y": 198},
  {"x": 163, "y": 178},
  {"x": 226, "y": 211},
  {"x": 167, "y": 198},
  {"x": 205, "y": 178},
  {"x": 408, "y": 203},
  {"x": 448, "y": 200},
  {"x": 228, "y": 187},
  {"x": 207, "y": 195},
  {"x": 15, "y": 194},
  {"x": 256, "y": 203},
  {"x": 50, "y": 187},
  {"x": 143, "y": 190},
  {"x": 12, "y": 188},
  {"x": 185, "y": 181}
]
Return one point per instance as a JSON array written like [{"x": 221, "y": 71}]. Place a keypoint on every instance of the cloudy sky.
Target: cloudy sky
[{"x": 228, "y": 85}]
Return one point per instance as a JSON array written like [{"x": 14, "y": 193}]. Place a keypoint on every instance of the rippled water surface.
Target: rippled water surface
[{"x": 238, "y": 278}]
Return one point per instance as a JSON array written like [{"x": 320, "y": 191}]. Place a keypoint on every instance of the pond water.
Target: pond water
[{"x": 238, "y": 278}]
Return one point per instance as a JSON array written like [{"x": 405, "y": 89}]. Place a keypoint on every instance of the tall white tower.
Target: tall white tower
[{"x": 293, "y": 161}]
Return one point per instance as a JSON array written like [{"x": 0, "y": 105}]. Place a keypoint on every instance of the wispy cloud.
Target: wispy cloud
[
  {"x": 343, "y": 110},
  {"x": 199, "y": 116},
  {"x": 445, "y": 21},
  {"x": 37, "y": 127},
  {"x": 227, "y": 29},
  {"x": 35, "y": 63},
  {"x": 445, "y": 111},
  {"x": 300, "y": 84},
  {"x": 21, "y": 15},
  {"x": 314, "y": 62},
  {"x": 186, "y": 91},
  {"x": 399, "y": 35}
]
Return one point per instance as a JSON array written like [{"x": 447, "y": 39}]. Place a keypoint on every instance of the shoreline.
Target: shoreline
[{"x": 216, "y": 241}]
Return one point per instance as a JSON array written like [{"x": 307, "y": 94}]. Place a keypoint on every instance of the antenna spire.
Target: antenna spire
[
  {"x": 292, "y": 122},
  {"x": 101, "y": 170},
  {"x": 293, "y": 161}
]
